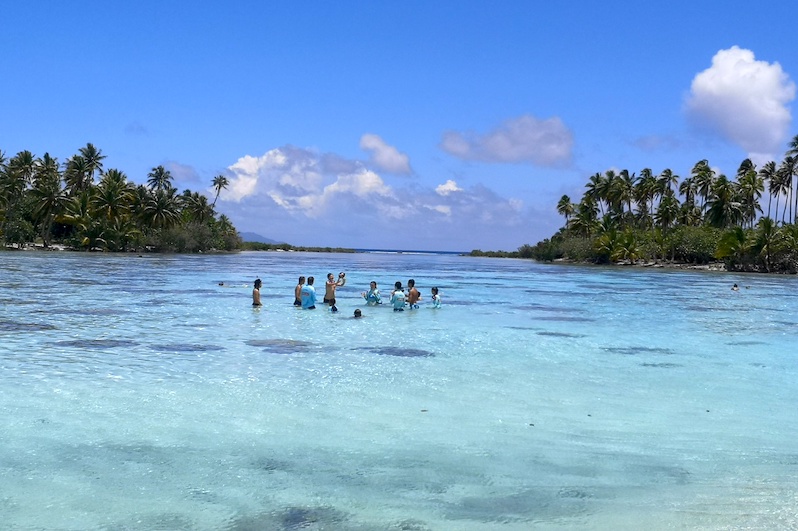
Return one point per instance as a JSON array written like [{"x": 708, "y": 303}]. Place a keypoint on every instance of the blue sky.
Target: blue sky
[{"x": 414, "y": 125}]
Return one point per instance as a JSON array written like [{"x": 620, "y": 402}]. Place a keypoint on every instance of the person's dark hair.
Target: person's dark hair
[
  {"x": 329, "y": 275},
  {"x": 434, "y": 291},
  {"x": 301, "y": 280},
  {"x": 358, "y": 313},
  {"x": 411, "y": 283},
  {"x": 258, "y": 283},
  {"x": 310, "y": 281},
  {"x": 398, "y": 285}
]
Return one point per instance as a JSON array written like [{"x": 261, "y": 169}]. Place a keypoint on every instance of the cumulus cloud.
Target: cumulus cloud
[
  {"x": 743, "y": 100},
  {"x": 525, "y": 139},
  {"x": 447, "y": 188},
  {"x": 384, "y": 156},
  {"x": 289, "y": 191}
]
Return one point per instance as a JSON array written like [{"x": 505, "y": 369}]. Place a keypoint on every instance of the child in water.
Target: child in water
[{"x": 436, "y": 299}]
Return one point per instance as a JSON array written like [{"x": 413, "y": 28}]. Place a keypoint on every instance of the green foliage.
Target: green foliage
[
  {"x": 37, "y": 198},
  {"x": 18, "y": 231},
  {"x": 694, "y": 245},
  {"x": 494, "y": 254},
  {"x": 257, "y": 246}
]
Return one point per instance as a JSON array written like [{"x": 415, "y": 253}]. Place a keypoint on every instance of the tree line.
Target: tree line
[
  {"x": 626, "y": 217},
  {"x": 44, "y": 199}
]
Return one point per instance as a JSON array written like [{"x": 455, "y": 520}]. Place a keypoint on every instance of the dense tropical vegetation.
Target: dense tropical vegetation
[
  {"x": 84, "y": 206},
  {"x": 624, "y": 217}
]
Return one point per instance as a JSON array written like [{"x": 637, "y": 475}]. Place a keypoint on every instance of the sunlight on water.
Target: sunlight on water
[{"x": 139, "y": 393}]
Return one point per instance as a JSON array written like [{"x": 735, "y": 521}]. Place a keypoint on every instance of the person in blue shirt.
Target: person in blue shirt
[
  {"x": 398, "y": 298},
  {"x": 308, "y": 295},
  {"x": 372, "y": 296}
]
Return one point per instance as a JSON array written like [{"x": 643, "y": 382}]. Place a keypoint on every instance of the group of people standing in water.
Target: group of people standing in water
[
  {"x": 399, "y": 299},
  {"x": 305, "y": 294}
]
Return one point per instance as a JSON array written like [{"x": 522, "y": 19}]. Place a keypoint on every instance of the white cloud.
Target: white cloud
[
  {"x": 291, "y": 194},
  {"x": 524, "y": 139},
  {"x": 385, "y": 157},
  {"x": 743, "y": 100},
  {"x": 447, "y": 188}
]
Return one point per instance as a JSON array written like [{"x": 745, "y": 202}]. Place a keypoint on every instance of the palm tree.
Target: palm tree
[
  {"x": 594, "y": 186},
  {"x": 766, "y": 240},
  {"x": 585, "y": 221},
  {"x": 627, "y": 248},
  {"x": 47, "y": 195},
  {"x": 723, "y": 207},
  {"x": 78, "y": 212},
  {"x": 112, "y": 197},
  {"x": 690, "y": 214},
  {"x": 768, "y": 175},
  {"x": 645, "y": 191},
  {"x": 733, "y": 245},
  {"x": 159, "y": 179},
  {"x": 668, "y": 210},
  {"x": 564, "y": 208},
  {"x": 78, "y": 175},
  {"x": 162, "y": 210},
  {"x": 787, "y": 169},
  {"x": 196, "y": 207},
  {"x": 606, "y": 191},
  {"x": 704, "y": 177},
  {"x": 623, "y": 191},
  {"x": 220, "y": 183},
  {"x": 667, "y": 180},
  {"x": 14, "y": 182},
  {"x": 751, "y": 186},
  {"x": 93, "y": 158},
  {"x": 793, "y": 147}
]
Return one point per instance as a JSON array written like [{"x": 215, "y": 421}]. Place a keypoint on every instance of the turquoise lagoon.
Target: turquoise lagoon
[{"x": 139, "y": 393}]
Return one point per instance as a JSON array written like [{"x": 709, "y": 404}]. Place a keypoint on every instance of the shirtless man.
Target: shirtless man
[
  {"x": 412, "y": 294},
  {"x": 297, "y": 291},
  {"x": 329, "y": 292}
]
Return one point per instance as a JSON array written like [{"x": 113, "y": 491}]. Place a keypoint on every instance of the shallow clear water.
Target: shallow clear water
[{"x": 138, "y": 393}]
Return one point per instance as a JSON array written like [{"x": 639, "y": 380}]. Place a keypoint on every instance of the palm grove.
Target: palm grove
[
  {"x": 43, "y": 199},
  {"x": 706, "y": 216}
]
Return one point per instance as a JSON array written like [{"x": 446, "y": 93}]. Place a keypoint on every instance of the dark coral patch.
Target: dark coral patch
[
  {"x": 559, "y": 334},
  {"x": 402, "y": 352},
  {"x": 631, "y": 351},
  {"x": 15, "y": 326},
  {"x": 96, "y": 343},
  {"x": 281, "y": 346},
  {"x": 186, "y": 347}
]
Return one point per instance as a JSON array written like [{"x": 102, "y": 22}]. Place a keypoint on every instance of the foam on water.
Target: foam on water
[{"x": 138, "y": 393}]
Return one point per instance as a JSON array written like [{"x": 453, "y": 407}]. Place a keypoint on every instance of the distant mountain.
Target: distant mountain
[{"x": 252, "y": 237}]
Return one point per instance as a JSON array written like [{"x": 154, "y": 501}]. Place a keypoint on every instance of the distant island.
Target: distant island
[{"x": 706, "y": 218}]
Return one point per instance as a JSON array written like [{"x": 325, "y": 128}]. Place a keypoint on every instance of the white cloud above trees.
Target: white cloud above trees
[
  {"x": 288, "y": 189},
  {"x": 744, "y": 100},
  {"x": 525, "y": 139},
  {"x": 384, "y": 156}
]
